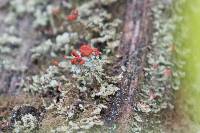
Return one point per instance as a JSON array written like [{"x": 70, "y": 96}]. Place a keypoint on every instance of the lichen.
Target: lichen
[
  {"x": 50, "y": 47},
  {"x": 89, "y": 78},
  {"x": 8, "y": 43},
  {"x": 75, "y": 93},
  {"x": 28, "y": 123},
  {"x": 108, "y": 2},
  {"x": 25, "y": 118},
  {"x": 48, "y": 81},
  {"x": 83, "y": 124},
  {"x": 161, "y": 74}
]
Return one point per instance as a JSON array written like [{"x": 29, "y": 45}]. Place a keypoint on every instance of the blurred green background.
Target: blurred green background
[{"x": 189, "y": 94}]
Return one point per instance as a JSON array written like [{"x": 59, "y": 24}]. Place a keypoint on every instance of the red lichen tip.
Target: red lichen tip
[
  {"x": 65, "y": 57},
  {"x": 96, "y": 52},
  {"x": 55, "y": 62},
  {"x": 86, "y": 50},
  {"x": 74, "y": 53},
  {"x": 74, "y": 12},
  {"x": 73, "y": 15},
  {"x": 77, "y": 61}
]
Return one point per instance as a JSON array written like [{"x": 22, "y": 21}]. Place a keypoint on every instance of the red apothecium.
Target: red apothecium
[{"x": 73, "y": 15}]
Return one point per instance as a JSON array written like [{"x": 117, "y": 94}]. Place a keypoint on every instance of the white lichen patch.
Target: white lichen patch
[
  {"x": 91, "y": 73},
  {"x": 28, "y": 123},
  {"x": 108, "y": 2},
  {"x": 48, "y": 81},
  {"x": 6, "y": 39},
  {"x": 49, "y": 47},
  {"x": 81, "y": 126},
  {"x": 9, "y": 44},
  {"x": 106, "y": 90}
]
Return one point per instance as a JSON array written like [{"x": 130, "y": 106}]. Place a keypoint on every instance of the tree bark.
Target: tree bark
[{"x": 136, "y": 37}]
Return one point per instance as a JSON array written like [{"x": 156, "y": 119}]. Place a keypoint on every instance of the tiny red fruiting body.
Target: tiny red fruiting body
[
  {"x": 73, "y": 15},
  {"x": 74, "y": 53},
  {"x": 82, "y": 62},
  {"x": 78, "y": 61},
  {"x": 65, "y": 57},
  {"x": 85, "y": 51},
  {"x": 55, "y": 62},
  {"x": 75, "y": 12},
  {"x": 96, "y": 52},
  {"x": 71, "y": 18}
]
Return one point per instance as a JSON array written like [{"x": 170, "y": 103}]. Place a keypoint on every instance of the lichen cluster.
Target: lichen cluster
[
  {"x": 14, "y": 34},
  {"x": 88, "y": 83},
  {"x": 25, "y": 119},
  {"x": 159, "y": 71},
  {"x": 28, "y": 123},
  {"x": 75, "y": 88},
  {"x": 75, "y": 94},
  {"x": 163, "y": 71},
  {"x": 89, "y": 26}
]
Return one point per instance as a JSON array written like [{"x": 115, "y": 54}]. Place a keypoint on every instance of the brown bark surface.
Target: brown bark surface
[{"x": 134, "y": 43}]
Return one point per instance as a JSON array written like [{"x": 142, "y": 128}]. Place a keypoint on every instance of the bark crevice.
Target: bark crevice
[{"x": 137, "y": 33}]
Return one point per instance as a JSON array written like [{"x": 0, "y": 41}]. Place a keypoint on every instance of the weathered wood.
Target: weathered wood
[{"x": 135, "y": 39}]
